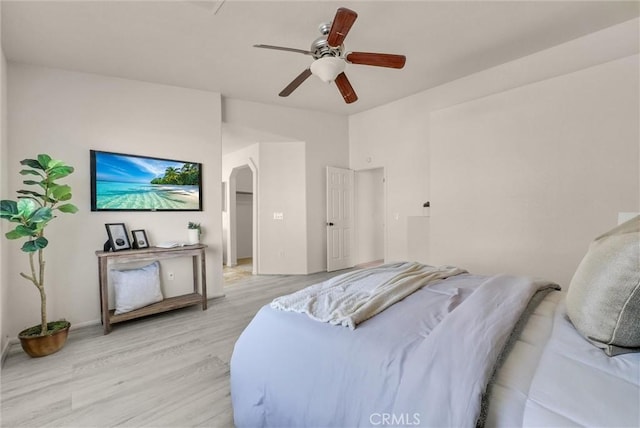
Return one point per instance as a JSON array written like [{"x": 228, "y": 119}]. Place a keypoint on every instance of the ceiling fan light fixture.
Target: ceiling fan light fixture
[
  {"x": 327, "y": 68},
  {"x": 330, "y": 60}
]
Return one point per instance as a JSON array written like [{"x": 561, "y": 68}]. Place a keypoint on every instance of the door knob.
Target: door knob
[{"x": 329, "y": 224}]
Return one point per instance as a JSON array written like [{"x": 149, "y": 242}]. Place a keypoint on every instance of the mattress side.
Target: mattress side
[
  {"x": 578, "y": 384},
  {"x": 513, "y": 380}
]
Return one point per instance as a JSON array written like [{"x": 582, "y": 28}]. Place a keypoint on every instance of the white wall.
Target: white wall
[
  {"x": 281, "y": 189},
  {"x": 369, "y": 215},
  {"x": 523, "y": 180},
  {"x": 393, "y": 137},
  {"x": 396, "y": 136},
  {"x": 280, "y": 177},
  {"x": 244, "y": 180},
  {"x": 326, "y": 139},
  {"x": 65, "y": 114},
  {"x": 4, "y": 194}
]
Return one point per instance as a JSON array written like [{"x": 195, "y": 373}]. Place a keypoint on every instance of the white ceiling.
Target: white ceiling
[{"x": 208, "y": 45}]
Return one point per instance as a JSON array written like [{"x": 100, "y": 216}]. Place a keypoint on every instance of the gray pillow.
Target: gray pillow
[
  {"x": 136, "y": 288},
  {"x": 603, "y": 301}
]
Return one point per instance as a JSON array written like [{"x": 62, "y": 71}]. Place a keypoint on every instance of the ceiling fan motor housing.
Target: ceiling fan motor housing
[
  {"x": 328, "y": 59},
  {"x": 320, "y": 48}
]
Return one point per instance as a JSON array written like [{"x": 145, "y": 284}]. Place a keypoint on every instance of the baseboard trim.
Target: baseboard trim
[
  {"x": 85, "y": 324},
  {"x": 5, "y": 350}
]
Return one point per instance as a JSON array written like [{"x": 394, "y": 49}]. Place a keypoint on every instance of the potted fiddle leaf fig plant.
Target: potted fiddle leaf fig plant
[{"x": 32, "y": 212}]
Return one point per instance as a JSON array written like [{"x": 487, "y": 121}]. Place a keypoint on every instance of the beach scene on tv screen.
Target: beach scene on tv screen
[{"x": 126, "y": 182}]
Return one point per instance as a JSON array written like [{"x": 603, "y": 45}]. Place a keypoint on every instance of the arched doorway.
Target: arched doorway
[{"x": 240, "y": 226}]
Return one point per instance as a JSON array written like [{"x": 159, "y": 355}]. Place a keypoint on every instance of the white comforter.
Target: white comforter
[
  {"x": 554, "y": 377},
  {"x": 460, "y": 353},
  {"x": 422, "y": 362}
]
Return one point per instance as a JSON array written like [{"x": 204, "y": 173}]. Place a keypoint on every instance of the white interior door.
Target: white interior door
[{"x": 339, "y": 218}]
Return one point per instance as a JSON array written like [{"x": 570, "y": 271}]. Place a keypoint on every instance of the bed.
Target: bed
[{"x": 459, "y": 350}]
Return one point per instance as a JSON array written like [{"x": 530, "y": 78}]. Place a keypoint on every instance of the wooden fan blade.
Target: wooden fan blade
[
  {"x": 376, "y": 59},
  {"x": 295, "y": 83},
  {"x": 280, "y": 48},
  {"x": 342, "y": 23},
  {"x": 345, "y": 88}
]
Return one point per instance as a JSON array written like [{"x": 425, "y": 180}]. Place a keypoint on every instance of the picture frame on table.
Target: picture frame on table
[
  {"x": 118, "y": 237},
  {"x": 139, "y": 239}
]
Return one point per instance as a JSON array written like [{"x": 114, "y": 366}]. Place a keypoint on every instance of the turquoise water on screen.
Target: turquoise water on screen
[{"x": 121, "y": 196}]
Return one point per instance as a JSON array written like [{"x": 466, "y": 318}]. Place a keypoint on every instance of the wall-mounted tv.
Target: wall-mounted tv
[{"x": 122, "y": 182}]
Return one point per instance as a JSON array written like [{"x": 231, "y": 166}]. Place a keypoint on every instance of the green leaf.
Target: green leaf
[
  {"x": 30, "y": 172},
  {"x": 59, "y": 172},
  {"x": 30, "y": 192},
  {"x": 42, "y": 242},
  {"x": 8, "y": 209},
  {"x": 20, "y": 232},
  {"x": 60, "y": 191},
  {"x": 35, "y": 245},
  {"x": 68, "y": 208},
  {"x": 65, "y": 197},
  {"x": 32, "y": 163},
  {"x": 31, "y": 183},
  {"x": 44, "y": 160},
  {"x": 37, "y": 201},
  {"x": 41, "y": 215},
  {"x": 39, "y": 227},
  {"x": 14, "y": 234},
  {"x": 27, "y": 230},
  {"x": 53, "y": 163},
  {"x": 26, "y": 207}
]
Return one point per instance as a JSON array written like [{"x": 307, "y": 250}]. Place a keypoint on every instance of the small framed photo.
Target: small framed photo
[
  {"x": 140, "y": 239},
  {"x": 118, "y": 237}
]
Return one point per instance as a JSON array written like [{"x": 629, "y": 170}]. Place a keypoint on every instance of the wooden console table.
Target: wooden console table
[{"x": 106, "y": 259}]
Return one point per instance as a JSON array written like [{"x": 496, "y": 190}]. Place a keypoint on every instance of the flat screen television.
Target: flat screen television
[{"x": 122, "y": 182}]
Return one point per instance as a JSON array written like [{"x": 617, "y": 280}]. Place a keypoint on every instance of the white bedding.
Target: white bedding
[
  {"x": 425, "y": 362},
  {"x": 422, "y": 360},
  {"x": 553, "y": 377}
]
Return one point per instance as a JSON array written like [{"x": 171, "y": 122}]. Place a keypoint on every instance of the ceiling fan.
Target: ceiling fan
[{"x": 330, "y": 59}]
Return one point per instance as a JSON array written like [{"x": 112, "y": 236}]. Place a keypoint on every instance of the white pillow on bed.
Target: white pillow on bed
[
  {"x": 136, "y": 288},
  {"x": 603, "y": 301}
]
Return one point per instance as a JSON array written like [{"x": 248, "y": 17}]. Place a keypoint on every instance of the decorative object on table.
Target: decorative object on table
[
  {"x": 118, "y": 238},
  {"x": 139, "y": 239},
  {"x": 136, "y": 288},
  {"x": 194, "y": 231},
  {"x": 121, "y": 182},
  {"x": 32, "y": 212}
]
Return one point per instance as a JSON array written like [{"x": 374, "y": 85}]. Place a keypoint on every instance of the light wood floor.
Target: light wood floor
[
  {"x": 167, "y": 370},
  {"x": 232, "y": 275}
]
